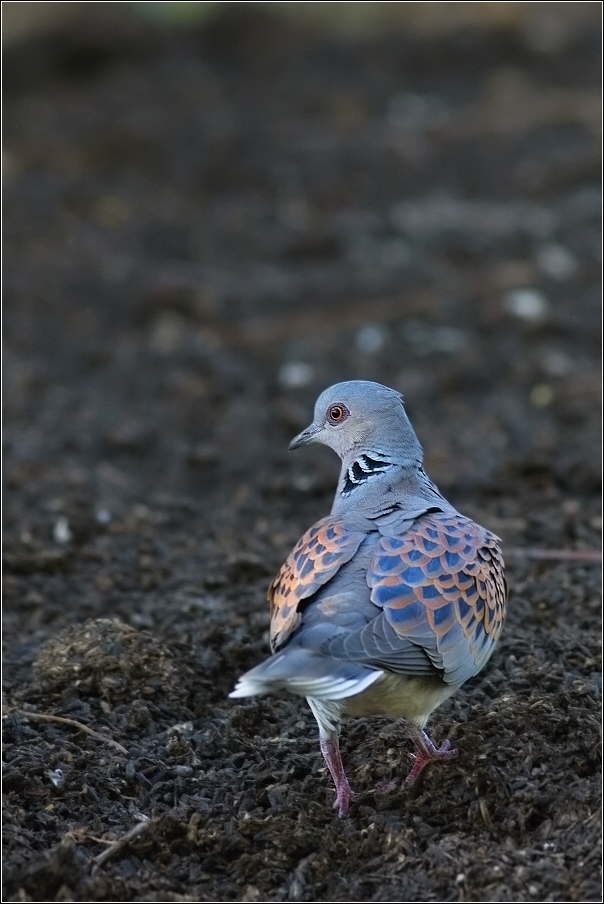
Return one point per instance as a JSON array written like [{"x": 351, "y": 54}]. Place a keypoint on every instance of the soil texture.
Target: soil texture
[{"x": 203, "y": 230}]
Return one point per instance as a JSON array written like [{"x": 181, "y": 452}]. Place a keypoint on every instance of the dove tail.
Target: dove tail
[{"x": 307, "y": 674}]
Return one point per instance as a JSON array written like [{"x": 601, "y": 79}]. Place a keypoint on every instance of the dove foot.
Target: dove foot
[
  {"x": 427, "y": 753},
  {"x": 344, "y": 793}
]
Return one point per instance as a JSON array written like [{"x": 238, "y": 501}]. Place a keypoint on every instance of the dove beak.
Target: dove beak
[{"x": 307, "y": 436}]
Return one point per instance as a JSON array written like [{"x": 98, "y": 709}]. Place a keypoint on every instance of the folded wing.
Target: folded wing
[
  {"x": 314, "y": 560},
  {"x": 441, "y": 588}
]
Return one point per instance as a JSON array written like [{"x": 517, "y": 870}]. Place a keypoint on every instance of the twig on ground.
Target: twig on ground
[
  {"x": 120, "y": 843},
  {"x": 26, "y": 714},
  {"x": 561, "y": 555}
]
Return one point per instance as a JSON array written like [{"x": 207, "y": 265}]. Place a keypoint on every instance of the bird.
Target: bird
[{"x": 389, "y": 604}]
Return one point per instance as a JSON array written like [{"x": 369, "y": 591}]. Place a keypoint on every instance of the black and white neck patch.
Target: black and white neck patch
[{"x": 362, "y": 470}]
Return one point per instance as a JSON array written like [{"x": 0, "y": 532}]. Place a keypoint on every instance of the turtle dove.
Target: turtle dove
[{"x": 390, "y": 603}]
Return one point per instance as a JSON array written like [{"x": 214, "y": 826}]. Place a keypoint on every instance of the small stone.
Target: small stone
[
  {"x": 57, "y": 778},
  {"x": 304, "y": 483},
  {"x": 183, "y": 728},
  {"x": 295, "y": 374},
  {"x": 557, "y": 363},
  {"x": 449, "y": 339},
  {"x": 530, "y": 305},
  {"x": 371, "y": 338},
  {"x": 61, "y": 532},
  {"x": 557, "y": 262},
  {"x": 571, "y": 506},
  {"x": 542, "y": 395}
]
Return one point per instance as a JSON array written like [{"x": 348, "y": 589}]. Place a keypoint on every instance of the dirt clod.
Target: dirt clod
[{"x": 111, "y": 660}]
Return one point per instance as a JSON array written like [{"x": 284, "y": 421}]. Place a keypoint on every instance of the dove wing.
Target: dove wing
[
  {"x": 315, "y": 559},
  {"x": 441, "y": 588}
]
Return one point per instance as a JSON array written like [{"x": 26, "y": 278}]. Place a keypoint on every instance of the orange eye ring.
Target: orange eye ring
[{"x": 337, "y": 414}]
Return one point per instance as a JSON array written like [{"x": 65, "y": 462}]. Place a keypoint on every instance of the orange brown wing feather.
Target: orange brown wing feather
[{"x": 315, "y": 559}]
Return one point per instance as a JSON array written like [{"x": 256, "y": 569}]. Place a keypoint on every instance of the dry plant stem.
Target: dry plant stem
[
  {"x": 561, "y": 555},
  {"x": 120, "y": 843},
  {"x": 73, "y": 724}
]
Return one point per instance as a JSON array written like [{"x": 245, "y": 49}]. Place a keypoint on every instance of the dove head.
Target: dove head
[{"x": 359, "y": 417}]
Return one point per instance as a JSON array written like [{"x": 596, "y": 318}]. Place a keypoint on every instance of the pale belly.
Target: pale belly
[{"x": 399, "y": 696}]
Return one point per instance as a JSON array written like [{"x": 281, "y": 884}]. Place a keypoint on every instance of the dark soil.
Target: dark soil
[{"x": 202, "y": 231}]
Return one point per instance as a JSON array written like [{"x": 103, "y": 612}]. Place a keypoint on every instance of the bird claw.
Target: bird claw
[
  {"x": 427, "y": 753},
  {"x": 344, "y": 795}
]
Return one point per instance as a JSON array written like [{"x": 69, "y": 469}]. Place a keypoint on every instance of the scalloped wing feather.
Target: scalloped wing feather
[
  {"x": 315, "y": 559},
  {"x": 443, "y": 579}
]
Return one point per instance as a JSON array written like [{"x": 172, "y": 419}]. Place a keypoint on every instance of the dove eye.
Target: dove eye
[{"x": 337, "y": 413}]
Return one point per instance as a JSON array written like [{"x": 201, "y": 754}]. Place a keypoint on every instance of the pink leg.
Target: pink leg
[
  {"x": 427, "y": 753},
  {"x": 331, "y": 753}
]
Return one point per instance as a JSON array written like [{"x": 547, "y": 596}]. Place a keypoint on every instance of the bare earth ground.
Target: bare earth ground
[{"x": 202, "y": 231}]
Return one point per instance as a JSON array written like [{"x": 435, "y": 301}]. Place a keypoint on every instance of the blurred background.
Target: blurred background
[{"x": 212, "y": 211}]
